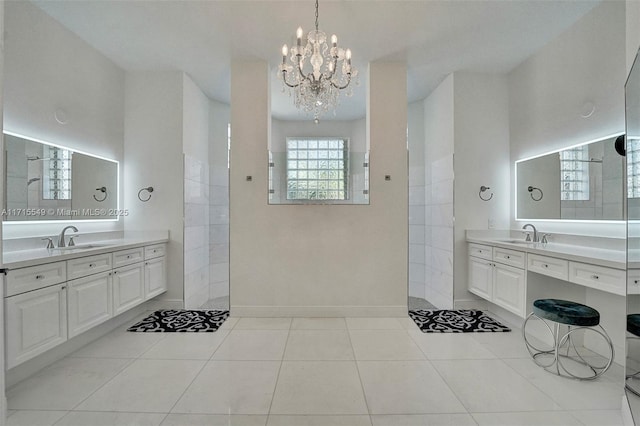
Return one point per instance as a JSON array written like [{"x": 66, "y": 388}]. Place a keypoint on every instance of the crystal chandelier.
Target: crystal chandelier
[{"x": 316, "y": 91}]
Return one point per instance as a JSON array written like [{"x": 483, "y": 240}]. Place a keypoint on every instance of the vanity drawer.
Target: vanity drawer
[
  {"x": 89, "y": 265},
  {"x": 481, "y": 251},
  {"x": 633, "y": 281},
  {"x": 127, "y": 257},
  {"x": 550, "y": 266},
  {"x": 509, "y": 257},
  {"x": 157, "y": 250},
  {"x": 598, "y": 277},
  {"x": 35, "y": 277}
]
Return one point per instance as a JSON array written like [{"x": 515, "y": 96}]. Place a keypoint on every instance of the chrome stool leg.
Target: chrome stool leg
[{"x": 556, "y": 366}]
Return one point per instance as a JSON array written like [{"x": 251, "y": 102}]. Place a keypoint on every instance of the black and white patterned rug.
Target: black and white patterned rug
[
  {"x": 455, "y": 321},
  {"x": 181, "y": 321}
]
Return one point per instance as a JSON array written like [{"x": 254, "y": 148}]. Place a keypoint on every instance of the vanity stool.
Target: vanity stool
[
  {"x": 575, "y": 317},
  {"x": 632, "y": 379}
]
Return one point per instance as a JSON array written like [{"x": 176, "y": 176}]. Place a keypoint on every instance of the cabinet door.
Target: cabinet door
[
  {"x": 89, "y": 302},
  {"x": 509, "y": 289},
  {"x": 481, "y": 277},
  {"x": 36, "y": 322},
  {"x": 128, "y": 287},
  {"x": 155, "y": 276}
]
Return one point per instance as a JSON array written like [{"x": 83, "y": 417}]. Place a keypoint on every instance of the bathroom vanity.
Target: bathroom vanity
[
  {"x": 498, "y": 268},
  {"x": 52, "y": 295}
]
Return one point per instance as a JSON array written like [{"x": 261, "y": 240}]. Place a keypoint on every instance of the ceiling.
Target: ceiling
[{"x": 201, "y": 38}]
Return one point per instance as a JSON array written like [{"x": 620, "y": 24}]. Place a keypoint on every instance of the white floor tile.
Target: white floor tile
[
  {"x": 406, "y": 387},
  {"x": 492, "y": 386},
  {"x": 599, "y": 417},
  {"x": 148, "y": 385},
  {"x": 540, "y": 418},
  {"x": 319, "y": 387},
  {"x": 213, "y": 420},
  {"x": 263, "y": 324},
  {"x": 319, "y": 324},
  {"x": 366, "y": 323},
  {"x": 186, "y": 346},
  {"x": 95, "y": 418},
  {"x": 571, "y": 394},
  {"x": 235, "y": 387},
  {"x": 78, "y": 377},
  {"x": 377, "y": 345},
  {"x": 450, "y": 346},
  {"x": 504, "y": 345},
  {"x": 423, "y": 420},
  {"x": 229, "y": 323},
  {"x": 120, "y": 344},
  {"x": 256, "y": 345},
  {"x": 408, "y": 324},
  {"x": 34, "y": 418},
  {"x": 318, "y": 345},
  {"x": 354, "y": 420}
]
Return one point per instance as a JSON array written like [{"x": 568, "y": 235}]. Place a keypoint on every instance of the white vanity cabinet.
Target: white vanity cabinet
[
  {"x": 47, "y": 303},
  {"x": 90, "y": 302},
  {"x": 36, "y": 321},
  {"x": 498, "y": 276},
  {"x": 128, "y": 287}
]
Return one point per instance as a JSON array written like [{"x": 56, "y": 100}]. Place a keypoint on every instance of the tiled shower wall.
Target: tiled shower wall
[
  {"x": 219, "y": 232},
  {"x": 196, "y": 232},
  {"x": 439, "y": 233},
  {"x": 417, "y": 257}
]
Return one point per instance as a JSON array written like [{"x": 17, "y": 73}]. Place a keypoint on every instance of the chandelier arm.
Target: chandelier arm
[
  {"x": 330, "y": 75},
  {"x": 345, "y": 85},
  {"x": 284, "y": 80},
  {"x": 299, "y": 67}
]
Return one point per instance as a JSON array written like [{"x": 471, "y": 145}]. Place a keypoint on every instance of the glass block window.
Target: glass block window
[
  {"x": 57, "y": 173},
  {"x": 317, "y": 169},
  {"x": 633, "y": 168},
  {"x": 574, "y": 174}
]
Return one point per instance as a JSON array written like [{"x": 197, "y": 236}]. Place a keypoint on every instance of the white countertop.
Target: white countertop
[
  {"x": 32, "y": 257},
  {"x": 592, "y": 255}
]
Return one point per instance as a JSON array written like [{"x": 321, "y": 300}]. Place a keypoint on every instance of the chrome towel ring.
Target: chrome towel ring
[
  {"x": 102, "y": 189},
  {"x": 149, "y": 189},
  {"x": 483, "y": 189},
  {"x": 533, "y": 188}
]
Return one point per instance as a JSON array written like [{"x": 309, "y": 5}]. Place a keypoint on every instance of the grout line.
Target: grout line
[
  {"x": 273, "y": 394},
  {"x": 204, "y": 364},
  {"x": 364, "y": 394}
]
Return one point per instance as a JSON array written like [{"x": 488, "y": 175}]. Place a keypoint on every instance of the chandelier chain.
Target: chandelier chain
[{"x": 316, "y": 15}]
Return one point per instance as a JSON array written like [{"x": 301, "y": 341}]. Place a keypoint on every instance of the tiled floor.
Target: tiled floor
[{"x": 310, "y": 372}]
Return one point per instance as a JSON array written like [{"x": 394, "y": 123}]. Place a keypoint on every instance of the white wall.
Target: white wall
[
  {"x": 319, "y": 259},
  {"x": 49, "y": 69},
  {"x": 632, "y": 13},
  {"x": 481, "y": 157},
  {"x": 550, "y": 91},
  {"x": 3, "y": 399},
  {"x": 153, "y": 157}
]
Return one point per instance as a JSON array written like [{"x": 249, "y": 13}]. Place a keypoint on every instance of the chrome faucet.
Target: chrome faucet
[
  {"x": 535, "y": 232},
  {"x": 61, "y": 242}
]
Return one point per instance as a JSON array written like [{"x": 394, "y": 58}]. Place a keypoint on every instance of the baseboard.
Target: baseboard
[
  {"x": 470, "y": 304},
  {"x": 32, "y": 366},
  {"x": 154, "y": 304},
  {"x": 319, "y": 311}
]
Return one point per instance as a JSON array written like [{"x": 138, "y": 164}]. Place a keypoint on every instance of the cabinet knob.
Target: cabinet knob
[
  {"x": 507, "y": 257},
  {"x": 39, "y": 277},
  {"x": 545, "y": 265},
  {"x": 635, "y": 281},
  {"x": 595, "y": 277},
  {"x": 63, "y": 287},
  {"x": 91, "y": 265},
  {"x": 128, "y": 256}
]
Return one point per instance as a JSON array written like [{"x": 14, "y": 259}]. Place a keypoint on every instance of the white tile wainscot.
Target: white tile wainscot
[{"x": 54, "y": 295}]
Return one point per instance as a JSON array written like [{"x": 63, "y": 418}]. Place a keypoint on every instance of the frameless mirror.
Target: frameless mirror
[
  {"x": 632, "y": 100},
  {"x": 583, "y": 182},
  {"x": 49, "y": 182}
]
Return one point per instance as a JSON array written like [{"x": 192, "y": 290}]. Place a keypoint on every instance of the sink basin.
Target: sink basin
[
  {"x": 516, "y": 242},
  {"x": 81, "y": 247}
]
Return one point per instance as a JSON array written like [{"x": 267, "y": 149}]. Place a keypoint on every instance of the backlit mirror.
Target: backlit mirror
[
  {"x": 50, "y": 182},
  {"x": 583, "y": 182}
]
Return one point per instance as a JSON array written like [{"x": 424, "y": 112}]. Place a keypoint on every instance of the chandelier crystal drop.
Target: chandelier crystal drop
[{"x": 317, "y": 90}]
